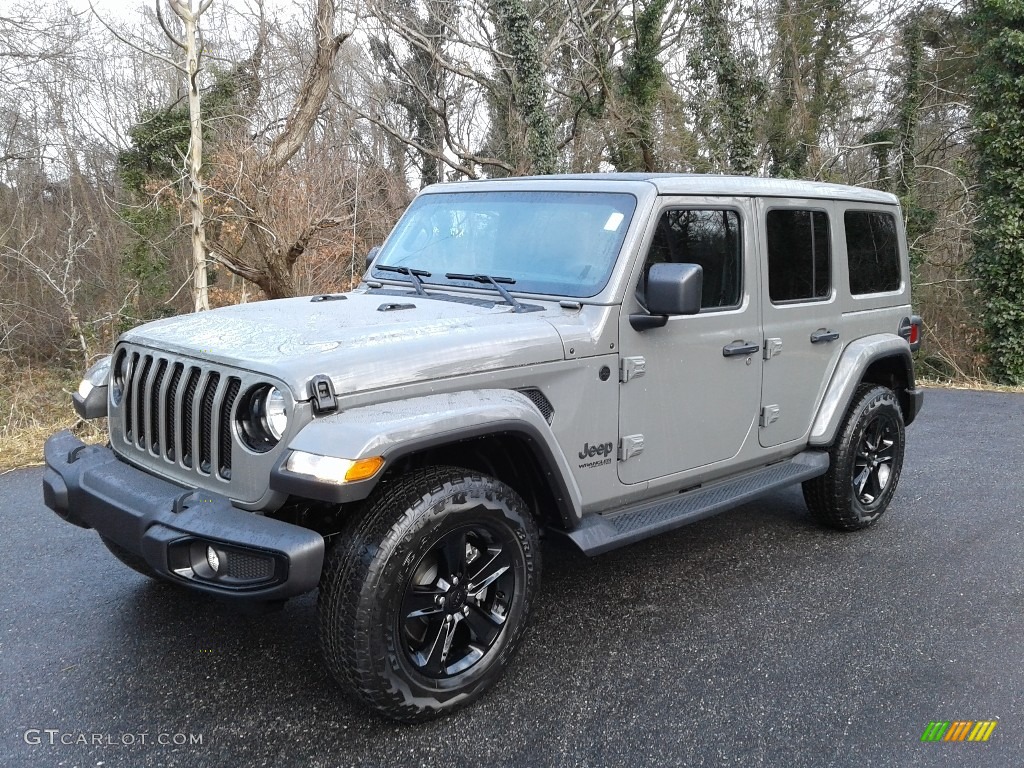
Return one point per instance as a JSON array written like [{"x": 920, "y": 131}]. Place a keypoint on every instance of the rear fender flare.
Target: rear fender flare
[{"x": 854, "y": 362}]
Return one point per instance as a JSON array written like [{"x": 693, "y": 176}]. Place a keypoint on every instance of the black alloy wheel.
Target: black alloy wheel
[
  {"x": 873, "y": 464},
  {"x": 457, "y": 601},
  {"x": 425, "y": 595},
  {"x": 865, "y": 462}
]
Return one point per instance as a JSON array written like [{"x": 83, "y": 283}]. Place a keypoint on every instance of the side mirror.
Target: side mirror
[
  {"x": 672, "y": 289},
  {"x": 371, "y": 255}
]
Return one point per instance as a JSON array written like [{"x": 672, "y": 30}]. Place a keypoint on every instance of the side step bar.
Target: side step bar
[{"x": 599, "y": 533}]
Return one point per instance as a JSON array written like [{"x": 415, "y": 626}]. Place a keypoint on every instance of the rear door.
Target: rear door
[{"x": 801, "y": 313}]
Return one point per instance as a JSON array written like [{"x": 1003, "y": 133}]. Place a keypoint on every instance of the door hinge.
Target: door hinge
[
  {"x": 769, "y": 415},
  {"x": 772, "y": 348},
  {"x": 629, "y": 446},
  {"x": 632, "y": 368}
]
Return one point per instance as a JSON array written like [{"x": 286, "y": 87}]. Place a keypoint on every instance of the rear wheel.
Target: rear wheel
[
  {"x": 426, "y": 596},
  {"x": 866, "y": 462}
]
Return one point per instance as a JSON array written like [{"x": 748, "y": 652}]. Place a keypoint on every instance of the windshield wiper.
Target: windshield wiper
[
  {"x": 413, "y": 273},
  {"x": 496, "y": 282}
]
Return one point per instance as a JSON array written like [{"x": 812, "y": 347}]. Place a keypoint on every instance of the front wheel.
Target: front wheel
[
  {"x": 424, "y": 598},
  {"x": 866, "y": 461}
]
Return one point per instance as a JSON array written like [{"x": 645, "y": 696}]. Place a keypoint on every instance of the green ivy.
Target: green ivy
[
  {"x": 524, "y": 50},
  {"x": 998, "y": 118},
  {"x": 642, "y": 78},
  {"x": 159, "y": 141},
  {"x": 156, "y": 155},
  {"x": 160, "y": 138},
  {"x": 729, "y": 91}
]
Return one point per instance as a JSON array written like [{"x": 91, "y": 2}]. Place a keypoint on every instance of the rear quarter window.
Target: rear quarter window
[{"x": 872, "y": 251}]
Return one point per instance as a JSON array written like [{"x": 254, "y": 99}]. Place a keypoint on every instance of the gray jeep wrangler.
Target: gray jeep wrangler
[{"x": 602, "y": 358}]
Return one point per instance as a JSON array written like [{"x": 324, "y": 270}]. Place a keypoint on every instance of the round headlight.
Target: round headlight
[
  {"x": 275, "y": 414},
  {"x": 262, "y": 417}
]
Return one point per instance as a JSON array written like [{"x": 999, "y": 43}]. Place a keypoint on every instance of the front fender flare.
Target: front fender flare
[
  {"x": 849, "y": 373},
  {"x": 396, "y": 429}
]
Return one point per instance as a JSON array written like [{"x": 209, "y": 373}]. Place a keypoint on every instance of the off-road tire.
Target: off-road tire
[
  {"x": 133, "y": 561},
  {"x": 872, "y": 430},
  {"x": 395, "y": 553}
]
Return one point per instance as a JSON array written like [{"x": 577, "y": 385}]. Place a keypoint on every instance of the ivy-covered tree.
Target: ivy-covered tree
[
  {"x": 415, "y": 79},
  {"x": 245, "y": 237},
  {"x": 527, "y": 91},
  {"x": 159, "y": 141},
  {"x": 813, "y": 45},
  {"x": 641, "y": 84},
  {"x": 728, "y": 90},
  {"x": 153, "y": 163},
  {"x": 998, "y": 117}
]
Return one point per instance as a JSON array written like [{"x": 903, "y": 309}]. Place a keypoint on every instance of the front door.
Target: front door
[
  {"x": 801, "y": 316},
  {"x": 690, "y": 391}
]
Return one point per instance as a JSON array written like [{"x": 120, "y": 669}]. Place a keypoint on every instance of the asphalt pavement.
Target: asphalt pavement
[{"x": 753, "y": 638}]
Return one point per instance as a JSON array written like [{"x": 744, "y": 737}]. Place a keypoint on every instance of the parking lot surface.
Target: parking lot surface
[{"x": 753, "y": 638}]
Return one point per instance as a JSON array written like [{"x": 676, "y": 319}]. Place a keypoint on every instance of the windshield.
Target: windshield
[{"x": 558, "y": 243}]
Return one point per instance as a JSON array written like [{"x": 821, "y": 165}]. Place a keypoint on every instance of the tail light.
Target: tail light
[{"x": 910, "y": 329}]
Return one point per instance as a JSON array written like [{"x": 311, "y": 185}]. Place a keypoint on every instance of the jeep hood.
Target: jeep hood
[{"x": 356, "y": 342}]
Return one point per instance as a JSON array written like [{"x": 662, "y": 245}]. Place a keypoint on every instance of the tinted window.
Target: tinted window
[
  {"x": 708, "y": 238},
  {"x": 799, "y": 255},
  {"x": 872, "y": 249}
]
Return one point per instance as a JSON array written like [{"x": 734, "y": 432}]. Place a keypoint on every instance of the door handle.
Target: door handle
[
  {"x": 823, "y": 336},
  {"x": 739, "y": 348}
]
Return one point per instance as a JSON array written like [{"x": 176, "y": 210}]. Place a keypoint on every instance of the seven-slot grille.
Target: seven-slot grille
[{"x": 179, "y": 411}]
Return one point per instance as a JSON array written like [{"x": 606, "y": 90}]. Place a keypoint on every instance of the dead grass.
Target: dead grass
[
  {"x": 35, "y": 402},
  {"x": 972, "y": 384}
]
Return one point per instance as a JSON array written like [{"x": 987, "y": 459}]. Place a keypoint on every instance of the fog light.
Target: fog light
[{"x": 213, "y": 559}]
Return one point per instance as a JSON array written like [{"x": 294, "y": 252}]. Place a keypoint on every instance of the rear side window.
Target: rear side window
[
  {"x": 872, "y": 248},
  {"x": 799, "y": 255},
  {"x": 710, "y": 238}
]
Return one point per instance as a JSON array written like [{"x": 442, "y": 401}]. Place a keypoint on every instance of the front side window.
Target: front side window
[
  {"x": 558, "y": 243},
  {"x": 872, "y": 248},
  {"x": 710, "y": 238},
  {"x": 799, "y": 255}
]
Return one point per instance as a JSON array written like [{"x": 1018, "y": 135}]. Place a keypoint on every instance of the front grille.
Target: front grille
[
  {"x": 178, "y": 411},
  {"x": 224, "y": 469}
]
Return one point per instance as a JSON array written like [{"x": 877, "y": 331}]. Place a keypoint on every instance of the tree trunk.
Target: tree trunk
[
  {"x": 189, "y": 14},
  {"x": 277, "y": 280},
  {"x": 516, "y": 29},
  {"x": 200, "y": 285}
]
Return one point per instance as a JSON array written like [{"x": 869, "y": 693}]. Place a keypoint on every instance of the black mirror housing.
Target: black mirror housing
[{"x": 674, "y": 289}]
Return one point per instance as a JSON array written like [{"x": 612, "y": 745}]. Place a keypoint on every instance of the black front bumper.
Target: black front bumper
[{"x": 172, "y": 527}]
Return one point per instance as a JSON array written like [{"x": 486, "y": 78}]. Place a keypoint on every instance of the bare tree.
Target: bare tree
[
  {"x": 189, "y": 12},
  {"x": 259, "y": 251},
  {"x": 58, "y": 272}
]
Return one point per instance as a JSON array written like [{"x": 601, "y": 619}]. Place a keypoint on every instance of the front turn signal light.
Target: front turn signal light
[{"x": 331, "y": 469}]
